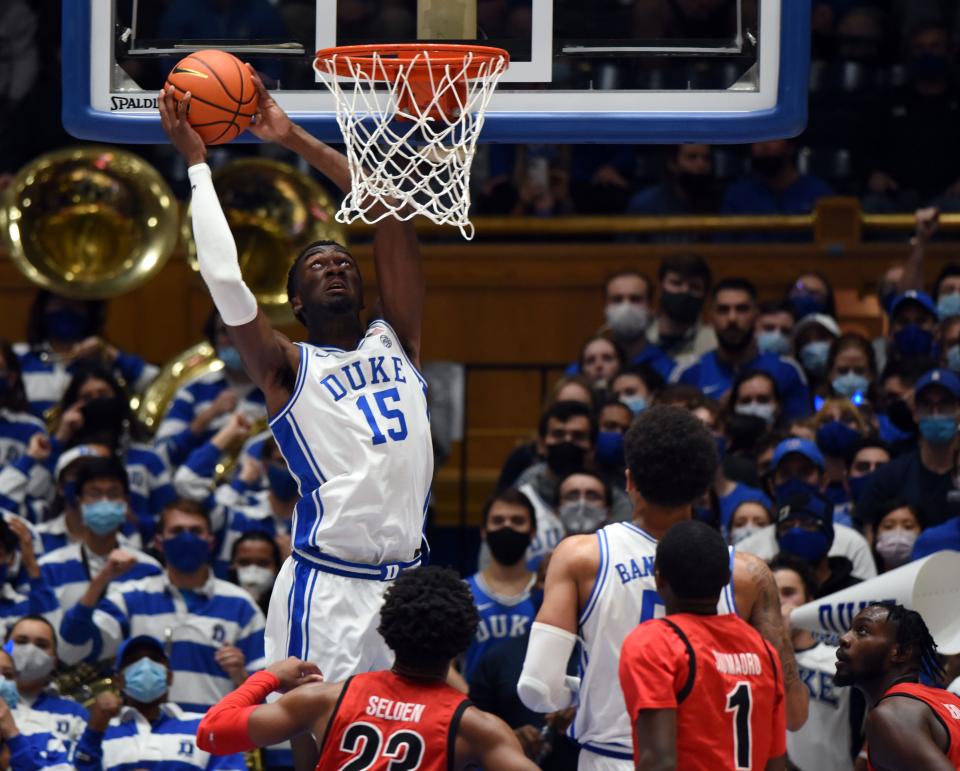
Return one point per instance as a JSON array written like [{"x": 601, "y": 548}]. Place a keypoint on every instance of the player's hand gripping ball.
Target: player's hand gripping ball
[{"x": 223, "y": 98}]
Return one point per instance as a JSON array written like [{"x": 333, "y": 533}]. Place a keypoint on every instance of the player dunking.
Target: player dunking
[
  {"x": 703, "y": 691},
  {"x": 405, "y": 718},
  {"x": 348, "y": 409},
  {"x": 601, "y": 586},
  {"x": 910, "y": 726}
]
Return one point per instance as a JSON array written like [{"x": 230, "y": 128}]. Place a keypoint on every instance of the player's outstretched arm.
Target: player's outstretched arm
[
  {"x": 656, "y": 738},
  {"x": 268, "y": 357},
  {"x": 898, "y": 735},
  {"x": 396, "y": 251},
  {"x": 758, "y": 602},
  {"x": 485, "y": 741}
]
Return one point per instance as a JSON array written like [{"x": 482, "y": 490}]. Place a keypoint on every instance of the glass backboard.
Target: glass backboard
[{"x": 581, "y": 71}]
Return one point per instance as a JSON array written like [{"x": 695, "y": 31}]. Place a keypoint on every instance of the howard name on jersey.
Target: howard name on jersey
[{"x": 356, "y": 435}]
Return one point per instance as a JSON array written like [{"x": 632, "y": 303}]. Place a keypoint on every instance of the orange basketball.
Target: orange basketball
[{"x": 223, "y": 97}]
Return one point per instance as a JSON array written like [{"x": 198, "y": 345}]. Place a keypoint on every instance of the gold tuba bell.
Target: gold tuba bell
[
  {"x": 274, "y": 211},
  {"x": 89, "y": 222}
]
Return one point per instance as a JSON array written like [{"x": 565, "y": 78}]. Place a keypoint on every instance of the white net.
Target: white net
[{"x": 410, "y": 127}]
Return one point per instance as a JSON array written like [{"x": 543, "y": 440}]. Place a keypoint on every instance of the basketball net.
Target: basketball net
[{"x": 410, "y": 117}]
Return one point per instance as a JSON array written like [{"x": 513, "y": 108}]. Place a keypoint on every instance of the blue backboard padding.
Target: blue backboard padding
[{"x": 788, "y": 118}]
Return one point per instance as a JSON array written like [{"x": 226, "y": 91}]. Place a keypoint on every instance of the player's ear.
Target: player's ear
[{"x": 631, "y": 487}]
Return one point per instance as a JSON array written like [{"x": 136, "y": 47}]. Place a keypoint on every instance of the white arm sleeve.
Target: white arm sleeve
[
  {"x": 543, "y": 685},
  {"x": 217, "y": 252}
]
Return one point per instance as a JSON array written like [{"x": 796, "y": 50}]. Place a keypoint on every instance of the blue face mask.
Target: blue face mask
[
  {"x": 804, "y": 304},
  {"x": 65, "y": 324},
  {"x": 773, "y": 342},
  {"x": 938, "y": 429},
  {"x": 850, "y": 384},
  {"x": 145, "y": 680},
  {"x": 793, "y": 486},
  {"x": 609, "y": 449},
  {"x": 9, "y": 693},
  {"x": 282, "y": 483},
  {"x": 814, "y": 356},
  {"x": 953, "y": 358},
  {"x": 948, "y": 305},
  {"x": 230, "y": 357},
  {"x": 809, "y": 545},
  {"x": 913, "y": 340},
  {"x": 637, "y": 404},
  {"x": 103, "y": 517},
  {"x": 836, "y": 439},
  {"x": 857, "y": 485},
  {"x": 186, "y": 552}
]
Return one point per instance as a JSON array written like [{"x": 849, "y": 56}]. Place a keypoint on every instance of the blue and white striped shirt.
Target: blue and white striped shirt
[
  {"x": 68, "y": 571},
  {"x": 174, "y": 439},
  {"x": 193, "y": 625},
  {"x": 16, "y": 428},
  {"x": 151, "y": 487},
  {"x": 169, "y": 744},
  {"x": 46, "y": 377},
  {"x": 47, "y": 750},
  {"x": 59, "y": 718},
  {"x": 39, "y": 600}
]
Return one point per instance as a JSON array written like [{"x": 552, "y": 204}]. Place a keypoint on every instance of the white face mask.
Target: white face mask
[
  {"x": 757, "y": 410},
  {"x": 738, "y": 534},
  {"x": 895, "y": 546},
  {"x": 256, "y": 579},
  {"x": 32, "y": 663},
  {"x": 627, "y": 319}
]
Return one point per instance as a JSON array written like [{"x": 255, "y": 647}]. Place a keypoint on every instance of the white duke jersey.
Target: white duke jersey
[
  {"x": 356, "y": 435},
  {"x": 624, "y": 594}
]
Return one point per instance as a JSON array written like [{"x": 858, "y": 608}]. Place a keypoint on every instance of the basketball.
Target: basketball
[{"x": 224, "y": 99}]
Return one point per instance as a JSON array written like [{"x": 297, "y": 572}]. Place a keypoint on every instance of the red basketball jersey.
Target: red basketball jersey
[
  {"x": 383, "y": 720},
  {"x": 721, "y": 677},
  {"x": 945, "y": 706}
]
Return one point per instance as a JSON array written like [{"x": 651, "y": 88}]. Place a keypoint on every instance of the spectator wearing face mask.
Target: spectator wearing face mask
[
  {"x": 805, "y": 529},
  {"x": 62, "y": 333},
  {"x": 748, "y": 518},
  {"x": 45, "y": 716},
  {"x": 637, "y": 387},
  {"x": 831, "y": 738},
  {"x": 913, "y": 321},
  {"x": 811, "y": 294},
  {"x": 838, "y": 427},
  {"x": 26, "y": 753},
  {"x": 895, "y": 409},
  {"x": 948, "y": 343},
  {"x": 868, "y": 455},
  {"x": 684, "y": 281},
  {"x": 796, "y": 467},
  {"x": 852, "y": 369},
  {"x": 17, "y": 600},
  {"x": 627, "y": 297},
  {"x": 202, "y": 406},
  {"x": 734, "y": 318},
  {"x": 584, "y": 503},
  {"x": 95, "y": 409},
  {"x": 755, "y": 393},
  {"x": 613, "y": 420},
  {"x": 895, "y": 536},
  {"x": 813, "y": 336},
  {"x": 946, "y": 292},
  {"x": 688, "y": 187},
  {"x": 774, "y": 328},
  {"x": 144, "y": 722},
  {"x": 774, "y": 184},
  {"x": 213, "y": 627},
  {"x": 921, "y": 478},
  {"x": 103, "y": 497},
  {"x": 503, "y": 590},
  {"x": 255, "y": 560}
]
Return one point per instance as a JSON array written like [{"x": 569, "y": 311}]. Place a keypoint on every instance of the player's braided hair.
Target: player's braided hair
[
  {"x": 912, "y": 632},
  {"x": 309, "y": 249},
  {"x": 428, "y": 617}
]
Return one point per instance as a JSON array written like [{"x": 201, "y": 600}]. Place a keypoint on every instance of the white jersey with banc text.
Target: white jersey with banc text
[
  {"x": 624, "y": 595},
  {"x": 356, "y": 435}
]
